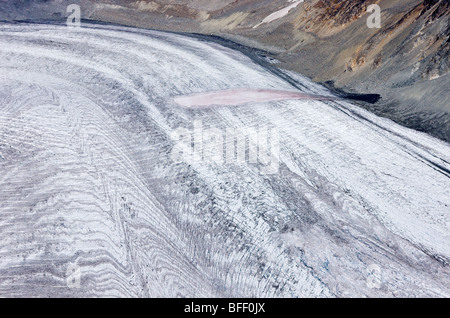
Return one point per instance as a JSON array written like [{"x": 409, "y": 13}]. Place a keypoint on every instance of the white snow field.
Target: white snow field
[
  {"x": 280, "y": 13},
  {"x": 92, "y": 203}
]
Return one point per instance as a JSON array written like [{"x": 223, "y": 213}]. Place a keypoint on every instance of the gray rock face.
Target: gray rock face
[{"x": 93, "y": 203}]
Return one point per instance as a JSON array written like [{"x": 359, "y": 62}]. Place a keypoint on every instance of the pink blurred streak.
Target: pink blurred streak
[{"x": 235, "y": 97}]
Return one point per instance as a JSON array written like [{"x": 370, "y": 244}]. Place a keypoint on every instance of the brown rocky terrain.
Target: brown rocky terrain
[{"x": 406, "y": 60}]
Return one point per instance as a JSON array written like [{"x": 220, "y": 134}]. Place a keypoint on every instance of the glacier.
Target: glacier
[{"x": 359, "y": 207}]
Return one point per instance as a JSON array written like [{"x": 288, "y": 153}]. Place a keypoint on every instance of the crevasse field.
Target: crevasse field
[{"x": 358, "y": 206}]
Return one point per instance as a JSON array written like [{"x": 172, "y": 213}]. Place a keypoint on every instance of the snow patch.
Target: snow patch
[{"x": 279, "y": 14}]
